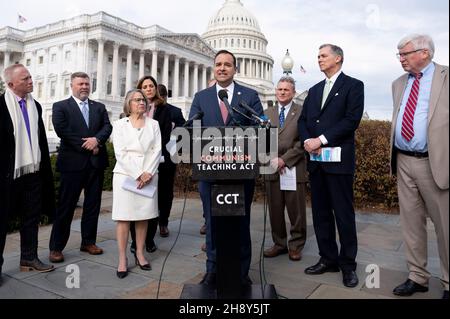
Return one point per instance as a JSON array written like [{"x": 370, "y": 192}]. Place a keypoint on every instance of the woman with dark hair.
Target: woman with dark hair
[{"x": 158, "y": 110}]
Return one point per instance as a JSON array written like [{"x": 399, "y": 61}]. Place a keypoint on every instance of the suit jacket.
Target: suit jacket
[
  {"x": 162, "y": 115},
  {"x": 438, "y": 123},
  {"x": 337, "y": 120},
  {"x": 207, "y": 101},
  {"x": 289, "y": 146},
  {"x": 71, "y": 128},
  {"x": 176, "y": 115},
  {"x": 7, "y": 159}
]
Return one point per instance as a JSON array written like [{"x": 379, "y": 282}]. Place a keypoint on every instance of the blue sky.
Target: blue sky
[{"x": 367, "y": 30}]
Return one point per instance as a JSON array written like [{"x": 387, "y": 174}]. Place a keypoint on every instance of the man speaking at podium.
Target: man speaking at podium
[{"x": 217, "y": 114}]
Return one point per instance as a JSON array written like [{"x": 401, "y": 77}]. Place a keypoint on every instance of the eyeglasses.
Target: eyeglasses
[
  {"x": 138, "y": 100},
  {"x": 405, "y": 54}
]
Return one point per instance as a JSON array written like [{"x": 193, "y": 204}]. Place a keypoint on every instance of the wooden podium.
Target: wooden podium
[{"x": 226, "y": 157}]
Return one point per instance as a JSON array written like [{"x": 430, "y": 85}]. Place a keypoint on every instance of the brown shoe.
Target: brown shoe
[
  {"x": 56, "y": 256},
  {"x": 203, "y": 230},
  {"x": 203, "y": 247},
  {"x": 35, "y": 264},
  {"x": 295, "y": 255},
  {"x": 92, "y": 249},
  {"x": 275, "y": 251},
  {"x": 163, "y": 231}
]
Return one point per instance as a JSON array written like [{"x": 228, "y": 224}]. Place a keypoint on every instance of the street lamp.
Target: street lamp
[{"x": 287, "y": 64}]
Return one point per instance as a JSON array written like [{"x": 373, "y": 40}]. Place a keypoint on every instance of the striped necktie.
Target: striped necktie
[{"x": 410, "y": 109}]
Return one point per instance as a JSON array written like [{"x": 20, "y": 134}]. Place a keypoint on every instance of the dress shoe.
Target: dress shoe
[
  {"x": 203, "y": 248},
  {"x": 145, "y": 267},
  {"x": 149, "y": 248},
  {"x": 295, "y": 255},
  {"x": 122, "y": 274},
  {"x": 274, "y": 251},
  {"x": 349, "y": 278},
  {"x": 133, "y": 248},
  {"x": 92, "y": 249},
  {"x": 246, "y": 281},
  {"x": 163, "y": 231},
  {"x": 203, "y": 230},
  {"x": 408, "y": 288},
  {"x": 35, "y": 264},
  {"x": 56, "y": 256},
  {"x": 321, "y": 268},
  {"x": 209, "y": 279},
  {"x": 445, "y": 295}
]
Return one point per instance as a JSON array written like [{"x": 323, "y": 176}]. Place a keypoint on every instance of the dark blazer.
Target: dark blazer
[
  {"x": 207, "y": 101},
  {"x": 70, "y": 127},
  {"x": 7, "y": 159},
  {"x": 337, "y": 120},
  {"x": 162, "y": 115},
  {"x": 176, "y": 115}
]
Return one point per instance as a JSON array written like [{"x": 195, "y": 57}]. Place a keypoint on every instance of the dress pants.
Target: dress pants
[
  {"x": 166, "y": 179},
  {"x": 26, "y": 204},
  {"x": 71, "y": 183},
  {"x": 244, "y": 231},
  {"x": 332, "y": 204},
  {"x": 419, "y": 198}
]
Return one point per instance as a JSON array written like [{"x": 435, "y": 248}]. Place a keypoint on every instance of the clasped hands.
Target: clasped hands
[
  {"x": 90, "y": 144},
  {"x": 144, "y": 179},
  {"x": 313, "y": 145},
  {"x": 278, "y": 164}
]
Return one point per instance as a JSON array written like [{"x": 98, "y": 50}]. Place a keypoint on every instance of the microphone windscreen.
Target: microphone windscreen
[{"x": 223, "y": 94}]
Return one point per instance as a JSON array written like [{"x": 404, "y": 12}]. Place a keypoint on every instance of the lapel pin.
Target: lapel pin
[
  {"x": 336, "y": 94},
  {"x": 239, "y": 93}
]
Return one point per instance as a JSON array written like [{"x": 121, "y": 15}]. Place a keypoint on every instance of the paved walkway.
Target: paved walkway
[{"x": 380, "y": 243}]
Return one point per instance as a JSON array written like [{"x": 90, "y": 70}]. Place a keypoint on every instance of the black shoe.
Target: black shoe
[
  {"x": 445, "y": 295},
  {"x": 209, "y": 279},
  {"x": 35, "y": 264},
  {"x": 321, "y": 268},
  {"x": 146, "y": 267},
  {"x": 133, "y": 248},
  {"x": 246, "y": 281},
  {"x": 349, "y": 278},
  {"x": 408, "y": 288},
  {"x": 151, "y": 248},
  {"x": 122, "y": 274}
]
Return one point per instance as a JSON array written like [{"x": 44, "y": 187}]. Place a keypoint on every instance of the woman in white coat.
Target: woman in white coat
[{"x": 137, "y": 147}]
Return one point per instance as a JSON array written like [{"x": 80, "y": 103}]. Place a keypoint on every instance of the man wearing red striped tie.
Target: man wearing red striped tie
[{"x": 420, "y": 158}]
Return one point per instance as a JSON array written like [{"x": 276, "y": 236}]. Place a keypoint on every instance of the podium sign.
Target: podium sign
[{"x": 227, "y": 200}]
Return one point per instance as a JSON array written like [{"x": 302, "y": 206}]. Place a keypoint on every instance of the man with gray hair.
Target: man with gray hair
[
  {"x": 290, "y": 160},
  {"x": 420, "y": 157},
  {"x": 26, "y": 179},
  {"x": 331, "y": 114}
]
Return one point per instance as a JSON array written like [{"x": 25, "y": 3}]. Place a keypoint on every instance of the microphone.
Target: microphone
[
  {"x": 223, "y": 96},
  {"x": 197, "y": 116},
  {"x": 262, "y": 120}
]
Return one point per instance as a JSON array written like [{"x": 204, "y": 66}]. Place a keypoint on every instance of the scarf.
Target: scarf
[{"x": 27, "y": 156}]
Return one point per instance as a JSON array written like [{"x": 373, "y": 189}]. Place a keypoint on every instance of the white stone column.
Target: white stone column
[
  {"x": 141, "y": 64},
  {"x": 7, "y": 59},
  {"x": 128, "y": 72},
  {"x": 45, "y": 87},
  {"x": 270, "y": 73},
  {"x": 204, "y": 84},
  {"x": 115, "y": 70},
  {"x": 211, "y": 73},
  {"x": 59, "y": 80},
  {"x": 195, "y": 85},
  {"x": 176, "y": 78},
  {"x": 101, "y": 50},
  {"x": 33, "y": 62},
  {"x": 155, "y": 65},
  {"x": 261, "y": 72},
  {"x": 186, "y": 78},
  {"x": 258, "y": 70},
  {"x": 165, "y": 73}
]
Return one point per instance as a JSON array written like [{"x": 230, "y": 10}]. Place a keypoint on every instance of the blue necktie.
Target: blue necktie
[
  {"x": 282, "y": 117},
  {"x": 85, "y": 112}
]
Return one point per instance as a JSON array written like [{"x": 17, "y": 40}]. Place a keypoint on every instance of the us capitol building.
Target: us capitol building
[{"x": 116, "y": 53}]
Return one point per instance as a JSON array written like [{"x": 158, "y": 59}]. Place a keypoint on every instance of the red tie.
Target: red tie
[
  {"x": 223, "y": 111},
  {"x": 410, "y": 109}
]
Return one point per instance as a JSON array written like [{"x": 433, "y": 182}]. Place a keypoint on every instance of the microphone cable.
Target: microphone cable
[{"x": 176, "y": 238}]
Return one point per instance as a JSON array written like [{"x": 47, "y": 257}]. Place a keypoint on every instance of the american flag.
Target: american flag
[
  {"x": 302, "y": 69},
  {"x": 21, "y": 19}
]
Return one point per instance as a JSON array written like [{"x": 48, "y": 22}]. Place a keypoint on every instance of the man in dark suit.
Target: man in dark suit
[
  {"x": 290, "y": 156},
  {"x": 331, "y": 113},
  {"x": 26, "y": 179},
  {"x": 216, "y": 114},
  {"x": 83, "y": 127}
]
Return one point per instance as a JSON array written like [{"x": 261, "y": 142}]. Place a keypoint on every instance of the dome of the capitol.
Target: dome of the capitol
[{"x": 234, "y": 28}]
